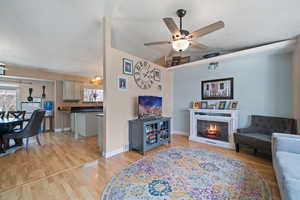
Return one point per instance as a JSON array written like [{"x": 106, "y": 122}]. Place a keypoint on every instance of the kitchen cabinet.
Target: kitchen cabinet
[{"x": 71, "y": 91}]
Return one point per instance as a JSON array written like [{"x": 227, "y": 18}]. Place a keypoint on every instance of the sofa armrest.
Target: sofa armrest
[
  {"x": 247, "y": 130},
  {"x": 287, "y": 144},
  {"x": 285, "y": 135}
]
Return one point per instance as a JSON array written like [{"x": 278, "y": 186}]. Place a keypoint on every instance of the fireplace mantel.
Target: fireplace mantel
[
  {"x": 215, "y": 111},
  {"x": 214, "y": 115}
]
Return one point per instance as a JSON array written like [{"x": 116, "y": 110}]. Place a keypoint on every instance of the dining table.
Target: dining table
[{"x": 7, "y": 125}]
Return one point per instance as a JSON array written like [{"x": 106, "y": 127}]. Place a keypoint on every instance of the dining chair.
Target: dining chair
[
  {"x": 31, "y": 129},
  {"x": 17, "y": 115},
  {"x": 2, "y": 114},
  {"x": 2, "y": 130}
]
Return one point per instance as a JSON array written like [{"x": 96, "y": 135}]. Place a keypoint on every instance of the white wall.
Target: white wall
[
  {"x": 121, "y": 106},
  {"x": 262, "y": 85}
]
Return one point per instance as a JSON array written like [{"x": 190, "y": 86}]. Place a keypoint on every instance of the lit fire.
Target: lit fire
[{"x": 212, "y": 129}]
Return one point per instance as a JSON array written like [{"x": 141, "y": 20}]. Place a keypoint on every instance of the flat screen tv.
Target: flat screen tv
[{"x": 149, "y": 106}]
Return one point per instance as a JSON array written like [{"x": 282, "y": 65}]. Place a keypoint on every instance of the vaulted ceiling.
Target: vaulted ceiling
[{"x": 66, "y": 36}]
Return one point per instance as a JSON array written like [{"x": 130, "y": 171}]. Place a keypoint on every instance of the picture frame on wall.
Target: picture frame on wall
[
  {"x": 156, "y": 74},
  {"x": 127, "y": 66},
  {"x": 122, "y": 83},
  {"x": 217, "y": 89}
]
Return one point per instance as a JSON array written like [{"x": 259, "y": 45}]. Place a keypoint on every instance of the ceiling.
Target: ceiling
[{"x": 66, "y": 36}]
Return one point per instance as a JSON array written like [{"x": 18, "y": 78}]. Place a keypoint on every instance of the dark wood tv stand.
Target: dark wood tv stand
[{"x": 146, "y": 134}]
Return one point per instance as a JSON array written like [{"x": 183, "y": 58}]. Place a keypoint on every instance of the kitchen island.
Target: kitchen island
[{"x": 84, "y": 121}]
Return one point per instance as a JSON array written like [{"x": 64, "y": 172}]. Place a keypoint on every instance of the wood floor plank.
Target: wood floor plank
[{"x": 65, "y": 168}]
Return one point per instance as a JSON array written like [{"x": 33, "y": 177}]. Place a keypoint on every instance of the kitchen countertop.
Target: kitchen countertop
[{"x": 86, "y": 109}]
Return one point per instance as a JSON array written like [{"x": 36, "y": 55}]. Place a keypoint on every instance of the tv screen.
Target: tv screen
[{"x": 149, "y": 106}]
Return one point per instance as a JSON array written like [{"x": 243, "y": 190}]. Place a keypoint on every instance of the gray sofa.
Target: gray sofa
[
  {"x": 286, "y": 163},
  {"x": 258, "y": 135}
]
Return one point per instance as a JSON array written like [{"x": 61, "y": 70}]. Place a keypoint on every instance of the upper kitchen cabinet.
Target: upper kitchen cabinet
[{"x": 71, "y": 91}]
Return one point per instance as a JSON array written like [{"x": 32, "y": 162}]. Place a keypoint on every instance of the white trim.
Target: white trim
[
  {"x": 180, "y": 133},
  {"x": 215, "y": 111},
  {"x": 277, "y": 46},
  {"x": 115, "y": 152},
  {"x": 59, "y": 130}
]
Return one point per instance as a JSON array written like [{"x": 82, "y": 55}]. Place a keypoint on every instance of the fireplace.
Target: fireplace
[
  {"x": 213, "y": 130},
  {"x": 215, "y": 127}
]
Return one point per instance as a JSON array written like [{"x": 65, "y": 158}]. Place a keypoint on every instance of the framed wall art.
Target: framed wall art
[
  {"x": 127, "y": 66},
  {"x": 156, "y": 74},
  {"x": 217, "y": 89},
  {"x": 122, "y": 83}
]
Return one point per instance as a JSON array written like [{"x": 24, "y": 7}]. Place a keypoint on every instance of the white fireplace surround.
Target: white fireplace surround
[{"x": 230, "y": 116}]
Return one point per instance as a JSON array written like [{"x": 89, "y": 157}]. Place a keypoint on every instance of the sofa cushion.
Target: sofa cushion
[
  {"x": 253, "y": 137},
  {"x": 291, "y": 189},
  {"x": 269, "y": 125},
  {"x": 288, "y": 164}
]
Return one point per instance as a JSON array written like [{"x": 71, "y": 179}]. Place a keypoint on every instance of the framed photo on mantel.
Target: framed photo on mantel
[{"x": 217, "y": 89}]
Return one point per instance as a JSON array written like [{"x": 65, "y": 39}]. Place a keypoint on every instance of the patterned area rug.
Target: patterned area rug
[{"x": 186, "y": 174}]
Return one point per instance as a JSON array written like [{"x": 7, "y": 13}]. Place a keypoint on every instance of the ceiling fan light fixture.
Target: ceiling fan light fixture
[{"x": 180, "y": 45}]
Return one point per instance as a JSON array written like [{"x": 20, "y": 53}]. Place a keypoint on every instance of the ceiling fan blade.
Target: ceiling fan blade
[
  {"x": 205, "y": 30},
  {"x": 172, "y": 26},
  {"x": 157, "y": 43},
  {"x": 198, "y": 45}
]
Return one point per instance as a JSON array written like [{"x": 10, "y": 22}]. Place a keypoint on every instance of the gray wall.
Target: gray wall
[{"x": 262, "y": 85}]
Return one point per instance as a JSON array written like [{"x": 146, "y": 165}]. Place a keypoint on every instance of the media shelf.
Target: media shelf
[{"x": 146, "y": 134}]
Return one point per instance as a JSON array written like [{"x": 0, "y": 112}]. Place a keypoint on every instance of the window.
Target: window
[
  {"x": 92, "y": 95},
  {"x": 8, "y": 99}
]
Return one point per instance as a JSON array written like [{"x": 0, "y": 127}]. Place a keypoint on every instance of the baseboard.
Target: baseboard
[
  {"x": 180, "y": 133},
  {"x": 59, "y": 130},
  {"x": 115, "y": 152}
]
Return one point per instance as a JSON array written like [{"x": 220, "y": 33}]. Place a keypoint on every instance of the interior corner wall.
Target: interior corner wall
[
  {"x": 296, "y": 84},
  {"x": 122, "y": 106},
  {"x": 262, "y": 85}
]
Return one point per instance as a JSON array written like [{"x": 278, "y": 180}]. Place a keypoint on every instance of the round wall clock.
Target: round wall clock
[{"x": 143, "y": 75}]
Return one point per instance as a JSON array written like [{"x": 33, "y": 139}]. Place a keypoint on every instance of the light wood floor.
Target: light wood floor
[{"x": 65, "y": 168}]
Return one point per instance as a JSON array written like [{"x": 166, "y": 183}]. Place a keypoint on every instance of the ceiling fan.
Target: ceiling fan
[{"x": 183, "y": 39}]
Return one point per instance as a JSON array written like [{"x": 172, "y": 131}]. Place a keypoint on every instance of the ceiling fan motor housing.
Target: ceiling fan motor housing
[{"x": 183, "y": 33}]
